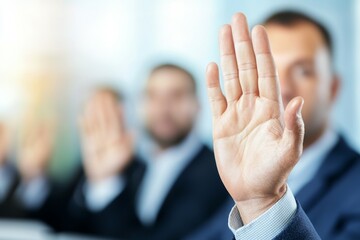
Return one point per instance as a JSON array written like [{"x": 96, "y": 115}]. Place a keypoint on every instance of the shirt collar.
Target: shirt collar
[
  {"x": 163, "y": 170},
  {"x": 185, "y": 150}
]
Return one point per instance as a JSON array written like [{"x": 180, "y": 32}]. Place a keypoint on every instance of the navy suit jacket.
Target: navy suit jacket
[
  {"x": 331, "y": 200},
  {"x": 299, "y": 228}
]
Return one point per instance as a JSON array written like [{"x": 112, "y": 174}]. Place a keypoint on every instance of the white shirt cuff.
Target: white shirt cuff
[
  {"x": 99, "y": 195},
  {"x": 34, "y": 193},
  {"x": 269, "y": 224}
]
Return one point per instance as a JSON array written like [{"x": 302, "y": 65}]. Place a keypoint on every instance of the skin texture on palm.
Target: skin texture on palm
[
  {"x": 256, "y": 142},
  {"x": 107, "y": 147}
]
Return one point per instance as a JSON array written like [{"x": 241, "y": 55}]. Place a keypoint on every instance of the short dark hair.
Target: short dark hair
[
  {"x": 289, "y": 18},
  {"x": 172, "y": 66}
]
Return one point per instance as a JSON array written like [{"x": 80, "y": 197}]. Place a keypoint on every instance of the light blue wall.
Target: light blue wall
[{"x": 356, "y": 65}]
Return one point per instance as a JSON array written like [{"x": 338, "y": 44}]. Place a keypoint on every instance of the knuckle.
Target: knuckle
[
  {"x": 230, "y": 76},
  {"x": 247, "y": 66}
]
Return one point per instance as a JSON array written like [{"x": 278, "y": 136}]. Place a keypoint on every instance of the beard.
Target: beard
[{"x": 171, "y": 140}]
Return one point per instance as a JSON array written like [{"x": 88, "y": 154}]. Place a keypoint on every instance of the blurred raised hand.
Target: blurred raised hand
[
  {"x": 4, "y": 143},
  {"x": 107, "y": 146},
  {"x": 256, "y": 142},
  {"x": 35, "y": 150}
]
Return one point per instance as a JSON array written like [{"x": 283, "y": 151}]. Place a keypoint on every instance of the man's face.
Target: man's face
[
  {"x": 170, "y": 106},
  {"x": 304, "y": 66}
]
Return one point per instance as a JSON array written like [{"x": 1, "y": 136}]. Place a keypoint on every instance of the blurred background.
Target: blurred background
[{"x": 52, "y": 52}]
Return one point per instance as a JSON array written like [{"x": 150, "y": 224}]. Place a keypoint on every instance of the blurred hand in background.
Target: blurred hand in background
[
  {"x": 4, "y": 143},
  {"x": 35, "y": 150},
  {"x": 106, "y": 144}
]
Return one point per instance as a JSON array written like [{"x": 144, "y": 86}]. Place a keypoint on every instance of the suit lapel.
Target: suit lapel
[{"x": 173, "y": 192}]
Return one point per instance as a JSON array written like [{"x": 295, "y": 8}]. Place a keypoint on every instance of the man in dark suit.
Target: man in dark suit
[
  {"x": 27, "y": 191},
  {"x": 167, "y": 194},
  {"x": 100, "y": 197},
  {"x": 323, "y": 180}
]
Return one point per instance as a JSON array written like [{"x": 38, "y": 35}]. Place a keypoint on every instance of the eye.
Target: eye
[{"x": 303, "y": 71}]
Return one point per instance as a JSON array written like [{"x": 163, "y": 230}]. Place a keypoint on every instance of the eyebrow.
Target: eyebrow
[{"x": 302, "y": 61}]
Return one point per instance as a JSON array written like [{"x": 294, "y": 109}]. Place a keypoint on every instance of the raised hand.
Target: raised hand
[
  {"x": 107, "y": 147},
  {"x": 4, "y": 143},
  {"x": 35, "y": 150},
  {"x": 256, "y": 143}
]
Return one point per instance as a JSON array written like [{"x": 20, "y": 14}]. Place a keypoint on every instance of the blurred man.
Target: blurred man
[
  {"x": 329, "y": 168},
  {"x": 167, "y": 194},
  {"x": 179, "y": 188},
  {"x": 28, "y": 183},
  {"x": 35, "y": 153},
  {"x": 101, "y": 196}
]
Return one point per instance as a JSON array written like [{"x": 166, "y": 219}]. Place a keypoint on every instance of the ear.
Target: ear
[{"x": 335, "y": 87}]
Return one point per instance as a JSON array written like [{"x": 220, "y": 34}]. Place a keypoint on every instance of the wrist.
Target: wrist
[{"x": 251, "y": 209}]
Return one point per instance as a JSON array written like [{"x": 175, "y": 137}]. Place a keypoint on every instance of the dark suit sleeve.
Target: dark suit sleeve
[
  {"x": 299, "y": 228},
  {"x": 117, "y": 220}
]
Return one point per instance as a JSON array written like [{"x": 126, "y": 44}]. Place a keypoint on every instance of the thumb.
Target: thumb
[
  {"x": 294, "y": 125},
  {"x": 293, "y": 118}
]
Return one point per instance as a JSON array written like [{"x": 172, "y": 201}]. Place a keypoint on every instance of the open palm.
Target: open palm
[
  {"x": 107, "y": 146},
  {"x": 256, "y": 142},
  {"x": 35, "y": 150}
]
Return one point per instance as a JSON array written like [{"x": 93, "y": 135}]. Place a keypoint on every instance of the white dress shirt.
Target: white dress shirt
[
  {"x": 99, "y": 195},
  {"x": 163, "y": 168},
  {"x": 269, "y": 224},
  {"x": 33, "y": 193},
  {"x": 275, "y": 219}
]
